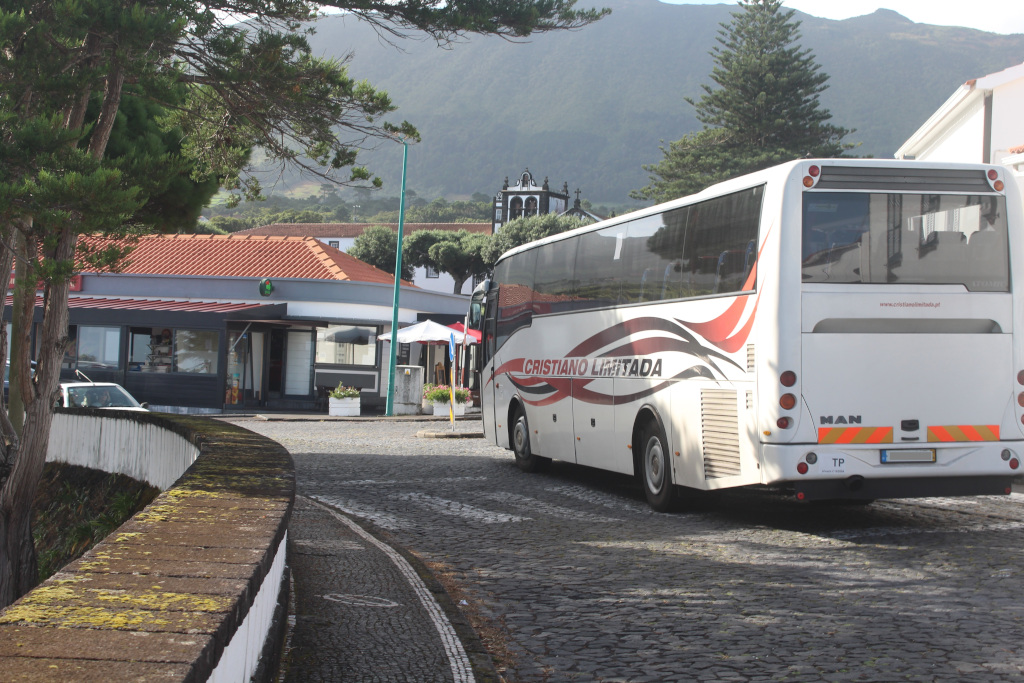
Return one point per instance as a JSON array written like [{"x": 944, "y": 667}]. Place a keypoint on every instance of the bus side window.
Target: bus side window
[
  {"x": 598, "y": 271},
  {"x": 513, "y": 279}
]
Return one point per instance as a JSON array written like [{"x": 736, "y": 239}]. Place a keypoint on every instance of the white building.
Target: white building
[{"x": 981, "y": 122}]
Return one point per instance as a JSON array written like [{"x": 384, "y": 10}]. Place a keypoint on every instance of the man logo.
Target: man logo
[{"x": 840, "y": 419}]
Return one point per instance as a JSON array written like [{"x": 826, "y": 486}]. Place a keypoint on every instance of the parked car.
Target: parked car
[{"x": 97, "y": 395}]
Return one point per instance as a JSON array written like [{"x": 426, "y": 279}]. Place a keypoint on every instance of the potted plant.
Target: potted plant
[
  {"x": 343, "y": 401},
  {"x": 427, "y": 406},
  {"x": 439, "y": 396}
]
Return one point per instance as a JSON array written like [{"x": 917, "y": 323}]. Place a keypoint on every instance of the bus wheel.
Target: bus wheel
[
  {"x": 655, "y": 470},
  {"x": 525, "y": 459}
]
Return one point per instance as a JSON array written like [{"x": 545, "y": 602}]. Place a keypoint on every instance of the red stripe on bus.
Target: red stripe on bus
[
  {"x": 736, "y": 342},
  {"x": 971, "y": 434}
]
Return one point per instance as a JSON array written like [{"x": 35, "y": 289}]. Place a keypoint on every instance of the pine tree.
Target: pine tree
[{"x": 764, "y": 111}]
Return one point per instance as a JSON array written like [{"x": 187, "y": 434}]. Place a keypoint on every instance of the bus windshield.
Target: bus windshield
[{"x": 877, "y": 238}]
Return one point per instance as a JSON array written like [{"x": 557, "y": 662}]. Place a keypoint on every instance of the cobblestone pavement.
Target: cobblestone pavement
[{"x": 591, "y": 585}]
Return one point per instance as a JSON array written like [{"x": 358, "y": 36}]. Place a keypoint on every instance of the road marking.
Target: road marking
[
  {"x": 845, "y": 535},
  {"x": 541, "y": 507},
  {"x": 457, "y": 509},
  {"x": 381, "y": 519},
  {"x": 462, "y": 671},
  {"x": 360, "y": 600},
  {"x": 588, "y": 495}
]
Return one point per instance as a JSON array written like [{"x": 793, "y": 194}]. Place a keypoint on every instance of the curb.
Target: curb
[{"x": 424, "y": 434}]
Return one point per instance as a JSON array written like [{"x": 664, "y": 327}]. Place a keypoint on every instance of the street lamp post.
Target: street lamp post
[{"x": 390, "y": 406}]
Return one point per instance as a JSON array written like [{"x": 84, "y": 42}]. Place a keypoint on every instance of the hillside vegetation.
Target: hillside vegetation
[{"x": 590, "y": 107}]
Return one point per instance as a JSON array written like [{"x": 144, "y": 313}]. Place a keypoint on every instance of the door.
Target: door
[
  {"x": 275, "y": 364},
  {"x": 298, "y": 373}
]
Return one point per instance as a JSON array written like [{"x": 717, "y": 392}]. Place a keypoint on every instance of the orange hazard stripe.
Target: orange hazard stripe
[
  {"x": 855, "y": 435},
  {"x": 964, "y": 433}
]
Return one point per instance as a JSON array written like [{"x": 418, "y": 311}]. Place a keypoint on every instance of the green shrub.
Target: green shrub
[
  {"x": 344, "y": 392},
  {"x": 441, "y": 393}
]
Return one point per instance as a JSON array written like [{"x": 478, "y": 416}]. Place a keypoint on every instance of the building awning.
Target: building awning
[
  {"x": 157, "y": 305},
  {"x": 234, "y": 311}
]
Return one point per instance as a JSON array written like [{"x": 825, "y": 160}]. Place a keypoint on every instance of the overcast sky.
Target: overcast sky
[{"x": 997, "y": 16}]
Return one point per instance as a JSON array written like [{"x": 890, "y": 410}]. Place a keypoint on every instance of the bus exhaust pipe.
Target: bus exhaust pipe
[{"x": 854, "y": 483}]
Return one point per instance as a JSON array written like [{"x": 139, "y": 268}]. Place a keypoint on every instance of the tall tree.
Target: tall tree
[
  {"x": 460, "y": 253},
  {"x": 377, "y": 246},
  {"x": 229, "y": 87},
  {"x": 765, "y": 110}
]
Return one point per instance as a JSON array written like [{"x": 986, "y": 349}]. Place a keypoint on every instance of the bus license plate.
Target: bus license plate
[{"x": 908, "y": 455}]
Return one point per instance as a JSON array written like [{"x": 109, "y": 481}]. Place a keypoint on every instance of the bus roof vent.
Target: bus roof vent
[{"x": 903, "y": 179}]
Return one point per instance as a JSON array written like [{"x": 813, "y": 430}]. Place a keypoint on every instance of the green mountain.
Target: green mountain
[{"x": 590, "y": 107}]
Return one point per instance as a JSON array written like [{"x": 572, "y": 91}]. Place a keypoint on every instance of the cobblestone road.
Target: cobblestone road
[{"x": 591, "y": 585}]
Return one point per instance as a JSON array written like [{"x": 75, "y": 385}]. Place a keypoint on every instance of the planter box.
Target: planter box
[
  {"x": 442, "y": 409},
  {"x": 343, "y": 407}
]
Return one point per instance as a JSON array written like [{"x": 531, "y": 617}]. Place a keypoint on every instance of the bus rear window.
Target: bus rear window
[{"x": 906, "y": 239}]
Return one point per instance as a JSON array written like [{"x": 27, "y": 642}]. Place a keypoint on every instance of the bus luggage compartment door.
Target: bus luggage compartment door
[{"x": 594, "y": 425}]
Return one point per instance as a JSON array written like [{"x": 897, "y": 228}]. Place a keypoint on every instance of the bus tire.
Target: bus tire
[
  {"x": 525, "y": 458},
  {"x": 656, "y": 469}
]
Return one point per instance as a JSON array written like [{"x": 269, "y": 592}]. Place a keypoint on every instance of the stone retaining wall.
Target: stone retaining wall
[{"x": 188, "y": 589}]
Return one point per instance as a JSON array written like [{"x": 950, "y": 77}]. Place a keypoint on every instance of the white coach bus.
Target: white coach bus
[{"x": 835, "y": 329}]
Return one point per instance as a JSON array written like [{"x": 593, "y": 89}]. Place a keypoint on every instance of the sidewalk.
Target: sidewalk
[{"x": 365, "y": 610}]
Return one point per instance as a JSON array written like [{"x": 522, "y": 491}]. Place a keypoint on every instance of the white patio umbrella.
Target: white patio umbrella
[{"x": 427, "y": 332}]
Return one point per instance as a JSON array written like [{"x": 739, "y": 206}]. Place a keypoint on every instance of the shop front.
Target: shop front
[
  {"x": 177, "y": 356},
  {"x": 208, "y": 324}
]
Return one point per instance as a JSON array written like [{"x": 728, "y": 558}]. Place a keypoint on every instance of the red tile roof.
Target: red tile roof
[
  {"x": 342, "y": 230},
  {"x": 246, "y": 256},
  {"x": 1019, "y": 149}
]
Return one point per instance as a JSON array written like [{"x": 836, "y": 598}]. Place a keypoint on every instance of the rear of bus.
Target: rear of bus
[{"x": 899, "y": 367}]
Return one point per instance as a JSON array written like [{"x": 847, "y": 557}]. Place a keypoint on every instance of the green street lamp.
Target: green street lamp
[{"x": 390, "y": 407}]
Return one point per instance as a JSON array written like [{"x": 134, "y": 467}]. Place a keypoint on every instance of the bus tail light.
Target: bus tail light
[
  {"x": 1007, "y": 456},
  {"x": 993, "y": 178},
  {"x": 788, "y": 378},
  {"x": 787, "y": 401},
  {"x": 802, "y": 467},
  {"x": 812, "y": 175},
  {"x": 784, "y": 423}
]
